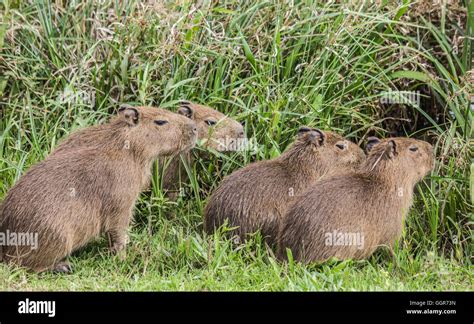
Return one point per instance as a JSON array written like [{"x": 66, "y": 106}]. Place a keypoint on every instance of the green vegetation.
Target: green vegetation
[{"x": 274, "y": 66}]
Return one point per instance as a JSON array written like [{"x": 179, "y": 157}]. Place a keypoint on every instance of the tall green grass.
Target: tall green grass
[{"x": 272, "y": 65}]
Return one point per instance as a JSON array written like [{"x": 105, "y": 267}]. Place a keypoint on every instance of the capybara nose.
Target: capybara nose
[
  {"x": 192, "y": 129},
  {"x": 240, "y": 130}
]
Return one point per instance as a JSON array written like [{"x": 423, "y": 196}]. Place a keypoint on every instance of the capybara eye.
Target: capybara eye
[
  {"x": 413, "y": 149},
  {"x": 161, "y": 122},
  {"x": 211, "y": 122},
  {"x": 340, "y": 146}
]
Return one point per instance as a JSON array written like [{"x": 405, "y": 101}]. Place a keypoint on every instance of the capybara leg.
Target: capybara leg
[
  {"x": 118, "y": 246},
  {"x": 119, "y": 250},
  {"x": 118, "y": 239}
]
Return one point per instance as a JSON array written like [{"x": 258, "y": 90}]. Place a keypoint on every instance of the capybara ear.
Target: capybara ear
[
  {"x": 311, "y": 134},
  {"x": 129, "y": 114},
  {"x": 186, "y": 109},
  {"x": 391, "y": 149},
  {"x": 303, "y": 130},
  {"x": 318, "y": 135},
  {"x": 371, "y": 142}
]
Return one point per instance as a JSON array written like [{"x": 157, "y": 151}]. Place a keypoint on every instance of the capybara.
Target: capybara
[
  {"x": 215, "y": 131},
  {"x": 89, "y": 185},
  {"x": 256, "y": 196},
  {"x": 348, "y": 216}
]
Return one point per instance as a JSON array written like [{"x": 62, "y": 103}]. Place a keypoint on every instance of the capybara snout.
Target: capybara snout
[
  {"x": 215, "y": 130},
  {"x": 190, "y": 134}
]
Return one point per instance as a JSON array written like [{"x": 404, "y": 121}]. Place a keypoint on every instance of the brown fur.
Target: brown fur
[
  {"x": 220, "y": 136},
  {"x": 89, "y": 185},
  {"x": 256, "y": 196},
  {"x": 372, "y": 201}
]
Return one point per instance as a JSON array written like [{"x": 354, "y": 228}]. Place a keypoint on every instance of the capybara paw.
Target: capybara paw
[
  {"x": 117, "y": 247},
  {"x": 121, "y": 254},
  {"x": 119, "y": 250},
  {"x": 63, "y": 267}
]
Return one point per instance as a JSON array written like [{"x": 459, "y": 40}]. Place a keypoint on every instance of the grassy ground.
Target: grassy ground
[
  {"x": 274, "y": 66},
  {"x": 190, "y": 263}
]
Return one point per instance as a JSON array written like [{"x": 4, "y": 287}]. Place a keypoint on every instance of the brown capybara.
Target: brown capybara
[
  {"x": 256, "y": 196},
  {"x": 89, "y": 186},
  {"x": 215, "y": 131},
  {"x": 349, "y": 216}
]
